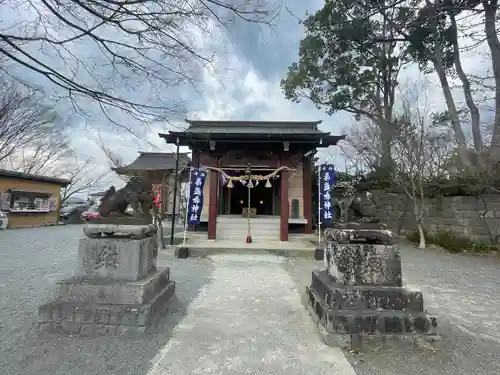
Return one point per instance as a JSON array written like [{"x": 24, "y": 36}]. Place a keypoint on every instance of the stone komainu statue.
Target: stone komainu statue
[
  {"x": 137, "y": 193},
  {"x": 353, "y": 205}
]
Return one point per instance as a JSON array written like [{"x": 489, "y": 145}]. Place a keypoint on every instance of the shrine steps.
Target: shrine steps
[
  {"x": 235, "y": 228},
  {"x": 204, "y": 248}
]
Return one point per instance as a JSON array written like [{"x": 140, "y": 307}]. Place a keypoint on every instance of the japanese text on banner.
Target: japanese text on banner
[
  {"x": 195, "y": 204},
  {"x": 327, "y": 181}
]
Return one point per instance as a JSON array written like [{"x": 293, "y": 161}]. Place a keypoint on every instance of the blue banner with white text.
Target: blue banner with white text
[
  {"x": 326, "y": 183},
  {"x": 195, "y": 204}
]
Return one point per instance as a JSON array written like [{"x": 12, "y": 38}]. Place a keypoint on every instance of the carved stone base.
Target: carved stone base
[
  {"x": 114, "y": 292},
  {"x": 116, "y": 259},
  {"x": 355, "y": 233},
  {"x": 357, "y": 225},
  {"x": 116, "y": 288},
  {"x": 117, "y": 219},
  {"x": 118, "y": 230},
  {"x": 362, "y": 263},
  {"x": 367, "y": 310},
  {"x": 365, "y": 297},
  {"x": 94, "y": 308}
]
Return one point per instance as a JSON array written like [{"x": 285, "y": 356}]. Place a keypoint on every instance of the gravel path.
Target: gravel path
[
  {"x": 31, "y": 261},
  {"x": 248, "y": 320},
  {"x": 464, "y": 292},
  {"x": 231, "y": 316}
]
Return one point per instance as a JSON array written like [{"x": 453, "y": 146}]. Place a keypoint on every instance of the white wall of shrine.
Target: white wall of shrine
[{"x": 296, "y": 189}]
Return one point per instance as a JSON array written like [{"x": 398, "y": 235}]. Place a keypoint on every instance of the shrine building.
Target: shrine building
[
  {"x": 283, "y": 151},
  {"x": 159, "y": 168}
]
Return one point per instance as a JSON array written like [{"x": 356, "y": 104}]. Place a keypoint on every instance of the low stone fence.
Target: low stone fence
[{"x": 472, "y": 216}]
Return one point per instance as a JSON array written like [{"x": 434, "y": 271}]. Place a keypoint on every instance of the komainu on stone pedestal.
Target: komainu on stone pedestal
[
  {"x": 359, "y": 292},
  {"x": 116, "y": 288}
]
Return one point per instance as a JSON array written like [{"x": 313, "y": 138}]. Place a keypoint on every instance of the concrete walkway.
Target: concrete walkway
[{"x": 248, "y": 320}]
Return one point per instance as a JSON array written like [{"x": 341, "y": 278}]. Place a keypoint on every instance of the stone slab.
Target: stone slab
[
  {"x": 371, "y": 321},
  {"x": 95, "y": 319},
  {"x": 374, "y": 341},
  {"x": 116, "y": 258},
  {"x": 204, "y": 248},
  {"x": 360, "y": 225},
  {"x": 114, "y": 292},
  {"x": 120, "y": 219},
  {"x": 363, "y": 264},
  {"x": 116, "y": 230},
  {"x": 365, "y": 297},
  {"x": 360, "y": 235}
]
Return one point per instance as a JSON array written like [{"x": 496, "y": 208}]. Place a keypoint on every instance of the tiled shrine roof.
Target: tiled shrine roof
[
  {"x": 199, "y": 131},
  {"x": 155, "y": 161}
]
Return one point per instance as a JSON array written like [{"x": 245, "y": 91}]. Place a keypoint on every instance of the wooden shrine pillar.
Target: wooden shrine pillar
[
  {"x": 284, "y": 209},
  {"x": 212, "y": 204},
  {"x": 307, "y": 189}
]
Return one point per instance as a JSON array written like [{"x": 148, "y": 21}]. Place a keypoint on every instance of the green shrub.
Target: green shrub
[
  {"x": 447, "y": 240},
  {"x": 480, "y": 246},
  {"x": 450, "y": 241},
  {"x": 414, "y": 236}
]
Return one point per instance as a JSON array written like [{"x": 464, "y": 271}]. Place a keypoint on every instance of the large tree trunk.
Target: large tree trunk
[
  {"x": 453, "y": 114},
  {"x": 474, "y": 111},
  {"x": 421, "y": 234},
  {"x": 445, "y": 86},
  {"x": 490, "y": 9},
  {"x": 386, "y": 135}
]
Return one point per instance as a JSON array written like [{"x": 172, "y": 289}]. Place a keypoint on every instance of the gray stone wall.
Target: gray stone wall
[{"x": 474, "y": 217}]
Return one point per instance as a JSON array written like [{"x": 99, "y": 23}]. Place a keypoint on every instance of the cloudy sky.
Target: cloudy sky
[{"x": 243, "y": 83}]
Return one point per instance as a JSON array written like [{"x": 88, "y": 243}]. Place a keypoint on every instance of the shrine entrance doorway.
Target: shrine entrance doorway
[{"x": 264, "y": 199}]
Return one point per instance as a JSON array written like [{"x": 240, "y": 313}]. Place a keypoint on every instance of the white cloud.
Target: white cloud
[{"x": 233, "y": 88}]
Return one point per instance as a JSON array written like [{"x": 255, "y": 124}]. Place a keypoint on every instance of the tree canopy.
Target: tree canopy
[
  {"x": 105, "y": 51},
  {"x": 350, "y": 60}
]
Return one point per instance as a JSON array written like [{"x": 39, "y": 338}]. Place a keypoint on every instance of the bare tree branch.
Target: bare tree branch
[
  {"x": 115, "y": 160},
  {"x": 83, "y": 178},
  {"x": 132, "y": 45},
  {"x": 24, "y": 122}
]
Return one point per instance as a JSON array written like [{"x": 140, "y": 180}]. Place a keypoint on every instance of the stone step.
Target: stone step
[
  {"x": 271, "y": 233},
  {"x": 370, "y": 321},
  {"x": 278, "y": 248},
  {"x": 239, "y": 218},
  {"x": 265, "y": 232},
  {"x": 243, "y": 237},
  {"x": 254, "y": 233},
  {"x": 257, "y": 225},
  {"x": 252, "y": 230},
  {"x": 95, "y": 319},
  {"x": 365, "y": 297},
  {"x": 119, "y": 292},
  {"x": 245, "y": 230},
  {"x": 244, "y": 225}
]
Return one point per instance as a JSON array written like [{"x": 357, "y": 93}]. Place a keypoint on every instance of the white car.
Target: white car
[{"x": 4, "y": 220}]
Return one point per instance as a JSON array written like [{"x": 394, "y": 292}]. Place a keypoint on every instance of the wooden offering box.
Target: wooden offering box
[{"x": 253, "y": 212}]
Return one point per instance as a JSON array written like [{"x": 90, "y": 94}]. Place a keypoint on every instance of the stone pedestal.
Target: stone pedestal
[
  {"x": 360, "y": 290},
  {"x": 116, "y": 288}
]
